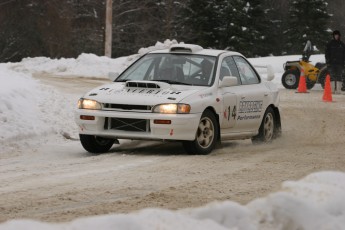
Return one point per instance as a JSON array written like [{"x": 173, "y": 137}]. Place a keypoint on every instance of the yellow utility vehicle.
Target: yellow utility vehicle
[{"x": 313, "y": 74}]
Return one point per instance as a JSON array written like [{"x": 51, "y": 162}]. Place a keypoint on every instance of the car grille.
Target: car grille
[
  {"x": 127, "y": 124},
  {"x": 127, "y": 107}
]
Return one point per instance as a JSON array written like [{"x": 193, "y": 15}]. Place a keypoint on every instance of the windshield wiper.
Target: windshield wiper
[{"x": 173, "y": 82}]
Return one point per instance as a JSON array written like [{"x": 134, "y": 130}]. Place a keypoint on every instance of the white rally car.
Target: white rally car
[{"x": 186, "y": 93}]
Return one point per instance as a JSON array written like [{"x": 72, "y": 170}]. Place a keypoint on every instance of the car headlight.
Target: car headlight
[
  {"x": 171, "y": 108},
  {"x": 88, "y": 104}
]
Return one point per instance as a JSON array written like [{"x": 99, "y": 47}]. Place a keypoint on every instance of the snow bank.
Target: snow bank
[
  {"x": 86, "y": 65},
  {"x": 26, "y": 106},
  {"x": 29, "y": 109},
  {"x": 158, "y": 46},
  {"x": 315, "y": 202}
]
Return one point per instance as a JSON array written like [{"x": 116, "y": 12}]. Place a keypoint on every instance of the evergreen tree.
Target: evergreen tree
[
  {"x": 257, "y": 34},
  {"x": 66, "y": 28},
  {"x": 276, "y": 40},
  {"x": 203, "y": 22},
  {"x": 308, "y": 21},
  {"x": 236, "y": 26},
  {"x": 239, "y": 25},
  {"x": 337, "y": 9},
  {"x": 170, "y": 18},
  {"x": 247, "y": 27}
]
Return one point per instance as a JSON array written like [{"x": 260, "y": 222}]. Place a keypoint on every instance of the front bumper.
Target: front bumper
[{"x": 182, "y": 127}]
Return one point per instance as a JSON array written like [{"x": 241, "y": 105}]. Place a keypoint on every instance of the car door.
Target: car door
[
  {"x": 229, "y": 103},
  {"x": 252, "y": 97}
]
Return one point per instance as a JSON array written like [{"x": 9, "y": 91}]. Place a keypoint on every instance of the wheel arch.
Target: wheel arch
[
  {"x": 293, "y": 66},
  {"x": 277, "y": 120}
]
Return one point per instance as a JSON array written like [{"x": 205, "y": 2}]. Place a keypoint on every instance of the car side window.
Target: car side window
[
  {"x": 247, "y": 74},
  {"x": 228, "y": 68}
]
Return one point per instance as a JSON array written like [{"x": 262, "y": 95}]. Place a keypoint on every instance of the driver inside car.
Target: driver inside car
[{"x": 206, "y": 69}]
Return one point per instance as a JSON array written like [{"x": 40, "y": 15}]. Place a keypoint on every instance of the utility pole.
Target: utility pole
[{"x": 108, "y": 27}]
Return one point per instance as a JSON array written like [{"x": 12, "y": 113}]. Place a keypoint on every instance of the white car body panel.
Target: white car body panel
[
  {"x": 117, "y": 92},
  {"x": 239, "y": 109}
]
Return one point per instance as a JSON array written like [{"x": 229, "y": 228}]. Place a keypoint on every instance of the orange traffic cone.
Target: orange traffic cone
[
  {"x": 302, "y": 85},
  {"x": 327, "y": 93}
]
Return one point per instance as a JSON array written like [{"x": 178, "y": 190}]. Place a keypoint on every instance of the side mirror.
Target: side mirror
[
  {"x": 270, "y": 73},
  {"x": 228, "y": 81},
  {"x": 112, "y": 76}
]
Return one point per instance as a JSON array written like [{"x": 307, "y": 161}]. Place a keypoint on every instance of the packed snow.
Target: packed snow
[{"x": 29, "y": 108}]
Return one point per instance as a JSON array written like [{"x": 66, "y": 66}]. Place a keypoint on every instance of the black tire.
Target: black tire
[
  {"x": 310, "y": 84},
  {"x": 320, "y": 65},
  {"x": 268, "y": 128},
  {"x": 290, "y": 79},
  {"x": 322, "y": 77},
  {"x": 95, "y": 144},
  {"x": 206, "y": 135}
]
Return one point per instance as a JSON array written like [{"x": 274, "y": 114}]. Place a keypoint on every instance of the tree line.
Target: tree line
[{"x": 67, "y": 28}]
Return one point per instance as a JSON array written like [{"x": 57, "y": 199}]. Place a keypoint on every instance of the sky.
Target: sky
[{"x": 29, "y": 108}]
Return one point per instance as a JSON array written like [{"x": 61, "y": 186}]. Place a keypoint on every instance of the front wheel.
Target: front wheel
[
  {"x": 206, "y": 135},
  {"x": 267, "y": 128},
  {"x": 95, "y": 144},
  {"x": 290, "y": 79}
]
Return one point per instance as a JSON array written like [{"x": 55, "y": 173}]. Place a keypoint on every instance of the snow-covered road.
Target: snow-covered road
[{"x": 56, "y": 180}]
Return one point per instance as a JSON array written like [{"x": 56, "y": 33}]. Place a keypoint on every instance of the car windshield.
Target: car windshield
[{"x": 185, "y": 69}]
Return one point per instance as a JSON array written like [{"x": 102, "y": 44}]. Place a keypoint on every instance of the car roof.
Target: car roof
[{"x": 194, "y": 49}]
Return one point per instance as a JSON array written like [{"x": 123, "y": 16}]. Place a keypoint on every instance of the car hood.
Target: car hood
[{"x": 141, "y": 92}]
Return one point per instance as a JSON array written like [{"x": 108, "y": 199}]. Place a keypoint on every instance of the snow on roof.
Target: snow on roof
[{"x": 194, "y": 49}]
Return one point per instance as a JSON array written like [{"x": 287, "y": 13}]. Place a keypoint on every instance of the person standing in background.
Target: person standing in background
[{"x": 335, "y": 58}]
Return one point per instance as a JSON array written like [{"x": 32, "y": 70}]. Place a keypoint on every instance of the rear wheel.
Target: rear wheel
[
  {"x": 322, "y": 77},
  {"x": 206, "y": 135},
  {"x": 267, "y": 128},
  {"x": 310, "y": 84},
  {"x": 95, "y": 144},
  {"x": 290, "y": 79},
  {"x": 320, "y": 65}
]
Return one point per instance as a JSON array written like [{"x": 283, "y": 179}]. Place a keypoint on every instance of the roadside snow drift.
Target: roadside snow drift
[{"x": 315, "y": 202}]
